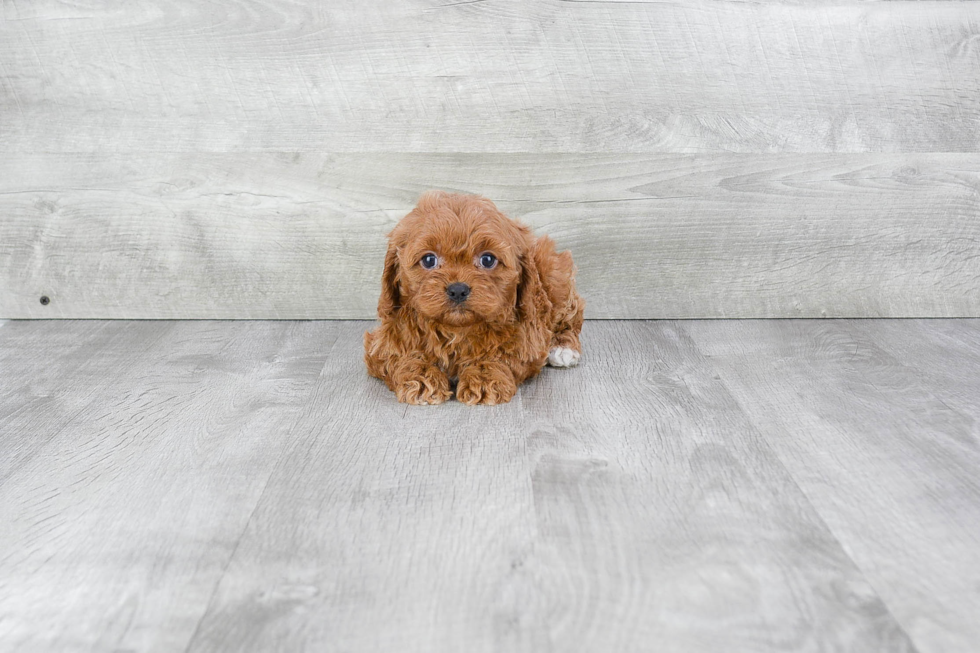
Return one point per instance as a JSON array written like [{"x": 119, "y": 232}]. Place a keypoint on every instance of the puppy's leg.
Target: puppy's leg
[
  {"x": 416, "y": 381},
  {"x": 565, "y": 350},
  {"x": 413, "y": 379},
  {"x": 486, "y": 382},
  {"x": 567, "y": 307}
]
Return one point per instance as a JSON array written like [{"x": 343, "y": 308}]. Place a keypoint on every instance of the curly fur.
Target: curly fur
[{"x": 516, "y": 313}]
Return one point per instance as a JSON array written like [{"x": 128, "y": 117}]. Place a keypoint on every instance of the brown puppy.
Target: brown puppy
[{"x": 472, "y": 297}]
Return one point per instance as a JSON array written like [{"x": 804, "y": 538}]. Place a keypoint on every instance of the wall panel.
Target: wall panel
[{"x": 301, "y": 235}]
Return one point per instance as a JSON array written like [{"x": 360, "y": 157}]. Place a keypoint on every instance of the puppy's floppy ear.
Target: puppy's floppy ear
[
  {"x": 532, "y": 300},
  {"x": 390, "y": 300}
]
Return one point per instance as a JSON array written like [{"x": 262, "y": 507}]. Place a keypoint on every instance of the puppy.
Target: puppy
[{"x": 471, "y": 299}]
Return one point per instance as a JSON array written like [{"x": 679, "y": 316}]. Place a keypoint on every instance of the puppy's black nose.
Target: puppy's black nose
[{"x": 458, "y": 292}]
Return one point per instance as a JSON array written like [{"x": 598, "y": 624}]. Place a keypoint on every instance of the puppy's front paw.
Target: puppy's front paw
[
  {"x": 563, "y": 357},
  {"x": 422, "y": 386},
  {"x": 488, "y": 384}
]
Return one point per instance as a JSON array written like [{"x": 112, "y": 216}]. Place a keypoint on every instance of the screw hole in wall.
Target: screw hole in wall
[{"x": 45, "y": 300}]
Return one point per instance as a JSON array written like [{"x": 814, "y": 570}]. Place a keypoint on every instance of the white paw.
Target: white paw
[{"x": 563, "y": 357}]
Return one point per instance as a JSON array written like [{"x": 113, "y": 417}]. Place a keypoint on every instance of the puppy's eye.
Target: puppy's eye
[
  {"x": 429, "y": 261},
  {"x": 487, "y": 261}
]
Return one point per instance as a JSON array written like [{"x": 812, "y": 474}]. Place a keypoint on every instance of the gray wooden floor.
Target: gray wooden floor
[{"x": 693, "y": 486}]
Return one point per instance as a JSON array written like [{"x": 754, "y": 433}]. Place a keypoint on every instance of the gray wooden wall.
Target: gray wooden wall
[{"x": 192, "y": 159}]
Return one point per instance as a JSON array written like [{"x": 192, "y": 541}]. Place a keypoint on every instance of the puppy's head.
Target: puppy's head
[{"x": 457, "y": 260}]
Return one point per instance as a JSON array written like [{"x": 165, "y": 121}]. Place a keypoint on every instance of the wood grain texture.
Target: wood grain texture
[
  {"x": 195, "y": 159},
  {"x": 655, "y": 236},
  {"x": 54, "y": 381},
  {"x": 738, "y": 486},
  {"x": 661, "y": 509},
  {"x": 384, "y": 528},
  {"x": 490, "y": 76},
  {"x": 877, "y": 422},
  {"x": 116, "y": 531},
  {"x": 560, "y": 521}
]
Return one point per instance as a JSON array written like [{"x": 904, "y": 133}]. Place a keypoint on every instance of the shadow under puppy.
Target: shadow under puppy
[{"x": 470, "y": 297}]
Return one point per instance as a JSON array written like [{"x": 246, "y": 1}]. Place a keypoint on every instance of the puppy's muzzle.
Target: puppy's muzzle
[{"x": 457, "y": 292}]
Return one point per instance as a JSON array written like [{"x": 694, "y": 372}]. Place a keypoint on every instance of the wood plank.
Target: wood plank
[
  {"x": 302, "y": 235},
  {"x": 490, "y": 76},
  {"x": 115, "y": 534},
  {"x": 886, "y": 453},
  {"x": 52, "y": 372},
  {"x": 625, "y": 505}
]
